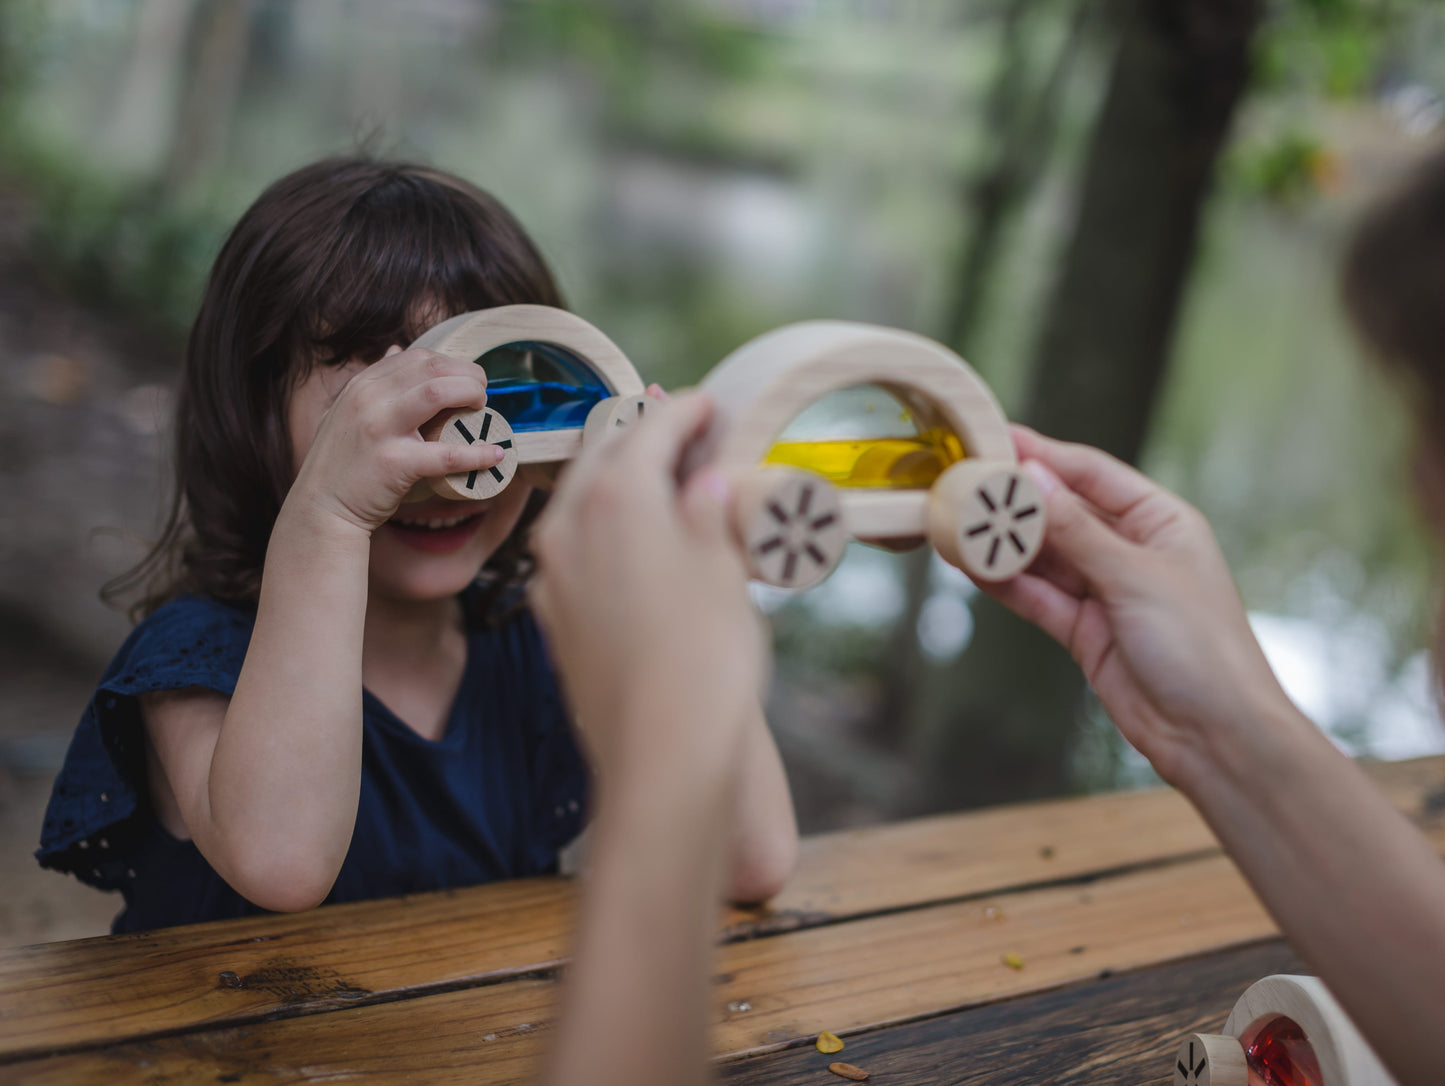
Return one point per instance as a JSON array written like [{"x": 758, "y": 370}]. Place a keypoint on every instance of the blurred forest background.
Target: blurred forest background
[{"x": 1125, "y": 213}]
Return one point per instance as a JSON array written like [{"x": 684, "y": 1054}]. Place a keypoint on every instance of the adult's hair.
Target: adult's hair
[
  {"x": 334, "y": 262},
  {"x": 1394, "y": 288}
]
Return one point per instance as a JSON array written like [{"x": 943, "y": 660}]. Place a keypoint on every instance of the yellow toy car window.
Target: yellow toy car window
[{"x": 863, "y": 437}]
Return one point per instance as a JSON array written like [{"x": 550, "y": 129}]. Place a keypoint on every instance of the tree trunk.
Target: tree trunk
[
  {"x": 1020, "y": 123},
  {"x": 217, "y": 62},
  {"x": 1001, "y": 722},
  {"x": 143, "y": 114}
]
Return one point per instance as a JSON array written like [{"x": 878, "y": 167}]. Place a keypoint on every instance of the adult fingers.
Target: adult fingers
[
  {"x": 1037, "y": 600},
  {"x": 1058, "y": 571},
  {"x": 1078, "y": 539},
  {"x": 1093, "y": 474}
]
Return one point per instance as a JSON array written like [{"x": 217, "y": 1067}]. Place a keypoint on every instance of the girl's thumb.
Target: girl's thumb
[{"x": 705, "y": 499}]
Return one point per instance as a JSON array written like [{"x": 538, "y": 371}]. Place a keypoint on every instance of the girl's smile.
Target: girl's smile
[{"x": 435, "y": 534}]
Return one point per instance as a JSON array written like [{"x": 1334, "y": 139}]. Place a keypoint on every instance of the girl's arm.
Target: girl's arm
[
  {"x": 764, "y": 847},
  {"x": 643, "y": 598},
  {"x": 266, "y": 783},
  {"x": 1133, "y": 584}
]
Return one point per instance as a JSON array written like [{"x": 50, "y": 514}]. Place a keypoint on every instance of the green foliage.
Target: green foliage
[
  {"x": 648, "y": 60},
  {"x": 20, "y": 24},
  {"x": 1329, "y": 47},
  {"x": 121, "y": 245},
  {"x": 1286, "y": 169}
]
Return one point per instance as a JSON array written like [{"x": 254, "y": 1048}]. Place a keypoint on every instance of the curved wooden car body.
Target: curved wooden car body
[
  {"x": 536, "y": 421},
  {"x": 981, "y": 512}
]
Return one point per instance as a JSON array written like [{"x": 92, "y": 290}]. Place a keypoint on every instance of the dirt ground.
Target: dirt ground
[{"x": 83, "y": 398}]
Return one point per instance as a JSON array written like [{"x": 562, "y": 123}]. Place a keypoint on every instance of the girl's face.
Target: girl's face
[{"x": 429, "y": 549}]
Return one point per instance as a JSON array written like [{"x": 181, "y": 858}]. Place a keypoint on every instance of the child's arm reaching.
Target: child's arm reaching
[
  {"x": 643, "y": 596},
  {"x": 764, "y": 847},
  {"x": 266, "y": 782}
]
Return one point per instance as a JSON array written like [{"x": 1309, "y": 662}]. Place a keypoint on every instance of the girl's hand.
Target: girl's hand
[
  {"x": 366, "y": 452},
  {"x": 1132, "y": 583},
  {"x": 643, "y": 596}
]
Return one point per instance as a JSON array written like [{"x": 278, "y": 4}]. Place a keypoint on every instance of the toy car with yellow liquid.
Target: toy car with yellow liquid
[{"x": 953, "y": 479}]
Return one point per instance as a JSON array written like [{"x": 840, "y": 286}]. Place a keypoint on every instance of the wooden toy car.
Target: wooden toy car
[
  {"x": 1283, "y": 1030},
  {"x": 552, "y": 378},
  {"x": 555, "y": 381},
  {"x": 956, "y": 482}
]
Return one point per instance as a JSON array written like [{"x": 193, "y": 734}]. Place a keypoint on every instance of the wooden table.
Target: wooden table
[{"x": 1125, "y": 925}]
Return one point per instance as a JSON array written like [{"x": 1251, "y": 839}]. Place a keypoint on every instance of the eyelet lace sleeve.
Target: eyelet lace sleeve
[{"x": 100, "y": 803}]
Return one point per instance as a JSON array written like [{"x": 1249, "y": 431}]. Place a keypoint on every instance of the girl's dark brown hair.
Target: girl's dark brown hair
[
  {"x": 336, "y": 261},
  {"x": 1394, "y": 289}
]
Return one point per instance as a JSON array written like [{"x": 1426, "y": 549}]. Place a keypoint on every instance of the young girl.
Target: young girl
[{"x": 325, "y": 702}]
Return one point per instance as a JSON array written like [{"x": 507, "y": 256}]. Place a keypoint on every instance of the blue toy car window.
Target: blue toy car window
[{"x": 540, "y": 386}]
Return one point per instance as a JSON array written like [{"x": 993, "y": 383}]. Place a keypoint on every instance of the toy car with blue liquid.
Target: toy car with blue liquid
[{"x": 553, "y": 381}]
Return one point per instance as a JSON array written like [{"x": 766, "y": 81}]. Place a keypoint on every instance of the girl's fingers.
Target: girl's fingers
[
  {"x": 658, "y": 441},
  {"x": 643, "y": 458},
  {"x": 439, "y": 394},
  {"x": 416, "y": 366},
  {"x": 705, "y": 499},
  {"x": 429, "y": 459}
]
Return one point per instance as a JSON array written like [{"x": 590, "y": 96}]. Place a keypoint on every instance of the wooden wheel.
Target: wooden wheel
[
  {"x": 468, "y": 428},
  {"x": 986, "y": 518},
  {"x": 1210, "y": 1059},
  {"x": 791, "y": 525},
  {"x": 613, "y": 415}
]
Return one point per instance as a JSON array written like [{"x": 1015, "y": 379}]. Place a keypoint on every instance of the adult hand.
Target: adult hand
[
  {"x": 1132, "y": 583},
  {"x": 642, "y": 593}
]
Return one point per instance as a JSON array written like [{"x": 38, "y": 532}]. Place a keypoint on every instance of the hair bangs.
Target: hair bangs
[{"x": 410, "y": 252}]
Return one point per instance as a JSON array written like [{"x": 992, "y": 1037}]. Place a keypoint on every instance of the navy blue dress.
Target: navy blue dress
[{"x": 496, "y": 797}]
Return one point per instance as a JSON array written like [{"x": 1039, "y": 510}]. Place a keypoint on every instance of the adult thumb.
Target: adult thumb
[{"x": 1076, "y": 537}]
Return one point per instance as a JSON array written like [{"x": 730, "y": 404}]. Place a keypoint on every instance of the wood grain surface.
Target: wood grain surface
[
  {"x": 1118, "y": 1031},
  {"x": 93, "y": 990},
  {"x": 881, "y": 926},
  {"x": 772, "y": 993},
  {"x": 87, "y": 991}
]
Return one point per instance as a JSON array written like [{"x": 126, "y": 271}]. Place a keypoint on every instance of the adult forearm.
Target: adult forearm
[
  {"x": 1358, "y": 890},
  {"x": 285, "y": 774}
]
